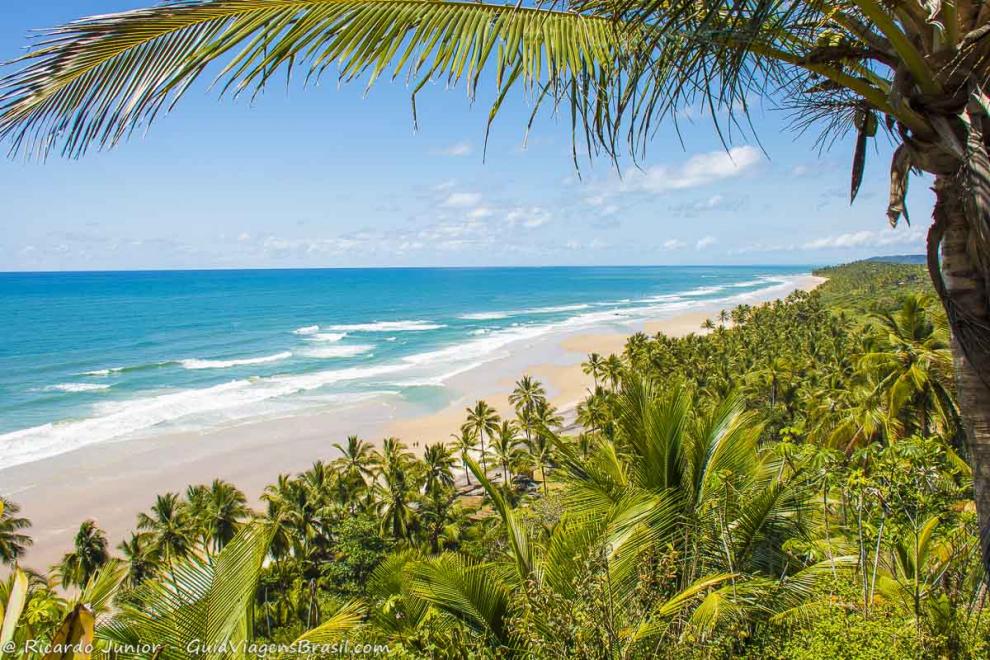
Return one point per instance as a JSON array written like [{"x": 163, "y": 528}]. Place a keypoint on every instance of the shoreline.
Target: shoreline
[{"x": 111, "y": 482}]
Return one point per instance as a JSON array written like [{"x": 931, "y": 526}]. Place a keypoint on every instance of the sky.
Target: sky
[{"x": 332, "y": 176}]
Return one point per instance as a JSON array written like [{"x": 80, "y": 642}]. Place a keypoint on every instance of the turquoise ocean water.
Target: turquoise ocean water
[{"x": 92, "y": 357}]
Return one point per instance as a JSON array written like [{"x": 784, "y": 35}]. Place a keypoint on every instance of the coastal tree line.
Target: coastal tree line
[{"x": 789, "y": 482}]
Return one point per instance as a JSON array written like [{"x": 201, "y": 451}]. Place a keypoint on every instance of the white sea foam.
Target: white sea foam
[
  {"x": 388, "y": 326},
  {"x": 75, "y": 387},
  {"x": 553, "y": 309},
  {"x": 114, "y": 420},
  {"x": 484, "y": 316},
  {"x": 102, "y": 372},
  {"x": 556, "y": 309},
  {"x": 326, "y": 336},
  {"x": 306, "y": 330},
  {"x": 251, "y": 397},
  {"x": 241, "y": 362},
  {"x": 326, "y": 352},
  {"x": 485, "y": 347},
  {"x": 703, "y": 291}
]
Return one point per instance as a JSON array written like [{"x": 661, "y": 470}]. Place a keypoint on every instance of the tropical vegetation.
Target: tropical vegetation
[
  {"x": 912, "y": 72},
  {"x": 788, "y": 482}
]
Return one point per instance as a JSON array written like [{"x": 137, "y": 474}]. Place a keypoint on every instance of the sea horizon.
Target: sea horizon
[
  {"x": 206, "y": 269},
  {"x": 92, "y": 357}
]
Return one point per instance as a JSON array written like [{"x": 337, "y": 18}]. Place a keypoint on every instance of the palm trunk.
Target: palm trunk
[
  {"x": 961, "y": 284},
  {"x": 484, "y": 463}
]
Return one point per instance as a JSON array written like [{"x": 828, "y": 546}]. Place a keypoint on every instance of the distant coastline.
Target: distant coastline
[{"x": 112, "y": 481}]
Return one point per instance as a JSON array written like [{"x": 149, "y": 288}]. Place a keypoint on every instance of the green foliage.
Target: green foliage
[
  {"x": 865, "y": 286},
  {"x": 359, "y": 549},
  {"x": 788, "y": 484}
]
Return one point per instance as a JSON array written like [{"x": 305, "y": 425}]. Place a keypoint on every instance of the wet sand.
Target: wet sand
[{"x": 112, "y": 482}]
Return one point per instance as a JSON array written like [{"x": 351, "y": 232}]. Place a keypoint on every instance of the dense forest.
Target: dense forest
[{"x": 788, "y": 482}]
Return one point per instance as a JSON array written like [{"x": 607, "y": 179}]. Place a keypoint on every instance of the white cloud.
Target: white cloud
[
  {"x": 528, "y": 217},
  {"x": 715, "y": 202},
  {"x": 705, "y": 242},
  {"x": 480, "y": 212},
  {"x": 674, "y": 244},
  {"x": 244, "y": 236},
  {"x": 457, "y": 149},
  {"x": 861, "y": 239},
  {"x": 461, "y": 200},
  {"x": 699, "y": 170}
]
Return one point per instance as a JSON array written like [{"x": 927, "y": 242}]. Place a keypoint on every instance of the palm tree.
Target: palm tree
[
  {"x": 439, "y": 461},
  {"x": 89, "y": 554},
  {"x": 593, "y": 413},
  {"x": 394, "y": 457},
  {"x": 464, "y": 444},
  {"x": 524, "y": 397},
  {"x": 209, "y": 604},
  {"x": 482, "y": 420},
  {"x": 168, "y": 525},
  {"x": 356, "y": 464},
  {"x": 914, "y": 71},
  {"x": 13, "y": 544},
  {"x": 505, "y": 447},
  {"x": 138, "y": 553},
  {"x": 226, "y": 509},
  {"x": 395, "y": 504},
  {"x": 278, "y": 515},
  {"x": 912, "y": 360},
  {"x": 594, "y": 366},
  {"x": 612, "y": 370}
]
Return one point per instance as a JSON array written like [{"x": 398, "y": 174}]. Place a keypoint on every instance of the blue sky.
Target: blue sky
[{"x": 333, "y": 177}]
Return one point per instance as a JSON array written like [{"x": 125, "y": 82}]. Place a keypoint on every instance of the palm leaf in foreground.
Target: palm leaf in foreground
[
  {"x": 198, "y": 603},
  {"x": 96, "y": 80}
]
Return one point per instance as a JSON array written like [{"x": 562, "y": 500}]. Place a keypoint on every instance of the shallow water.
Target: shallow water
[{"x": 90, "y": 357}]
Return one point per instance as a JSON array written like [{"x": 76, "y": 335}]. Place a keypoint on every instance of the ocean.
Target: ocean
[{"x": 103, "y": 356}]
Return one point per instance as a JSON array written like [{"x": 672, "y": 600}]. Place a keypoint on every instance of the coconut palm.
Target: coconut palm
[
  {"x": 523, "y": 398},
  {"x": 439, "y": 462},
  {"x": 13, "y": 544},
  {"x": 914, "y": 72},
  {"x": 612, "y": 370},
  {"x": 482, "y": 420},
  {"x": 911, "y": 359},
  {"x": 464, "y": 443},
  {"x": 356, "y": 465},
  {"x": 137, "y": 551},
  {"x": 394, "y": 495},
  {"x": 594, "y": 366},
  {"x": 171, "y": 535},
  {"x": 225, "y": 510},
  {"x": 505, "y": 448},
  {"x": 208, "y": 604},
  {"x": 593, "y": 413},
  {"x": 90, "y": 552}
]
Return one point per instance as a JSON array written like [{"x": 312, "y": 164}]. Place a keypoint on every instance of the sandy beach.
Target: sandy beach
[{"x": 111, "y": 482}]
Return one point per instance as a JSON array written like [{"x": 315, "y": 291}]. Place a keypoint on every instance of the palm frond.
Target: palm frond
[
  {"x": 472, "y": 593},
  {"x": 344, "y": 619},
  {"x": 10, "y": 612},
  {"x": 659, "y": 620},
  {"x": 94, "y": 81},
  {"x": 518, "y": 537},
  {"x": 197, "y": 601}
]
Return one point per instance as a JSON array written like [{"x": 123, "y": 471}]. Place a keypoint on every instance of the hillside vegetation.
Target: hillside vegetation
[{"x": 789, "y": 482}]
